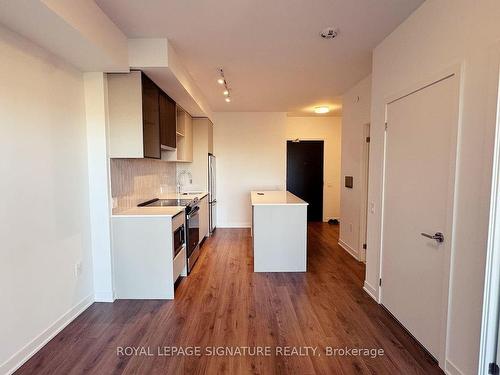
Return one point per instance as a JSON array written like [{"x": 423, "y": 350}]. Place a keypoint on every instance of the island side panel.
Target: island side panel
[
  {"x": 280, "y": 238},
  {"x": 143, "y": 257}
]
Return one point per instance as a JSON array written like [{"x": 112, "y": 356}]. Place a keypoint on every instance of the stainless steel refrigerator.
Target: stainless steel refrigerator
[{"x": 212, "y": 194}]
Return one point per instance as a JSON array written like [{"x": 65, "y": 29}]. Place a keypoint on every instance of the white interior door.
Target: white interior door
[{"x": 418, "y": 198}]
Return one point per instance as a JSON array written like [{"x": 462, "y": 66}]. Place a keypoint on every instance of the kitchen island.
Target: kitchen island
[{"x": 279, "y": 230}]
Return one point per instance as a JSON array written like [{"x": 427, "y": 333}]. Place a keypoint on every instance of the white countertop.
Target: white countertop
[
  {"x": 168, "y": 211},
  {"x": 275, "y": 198}
]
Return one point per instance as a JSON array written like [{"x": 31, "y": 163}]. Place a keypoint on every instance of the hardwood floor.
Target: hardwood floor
[{"x": 223, "y": 303}]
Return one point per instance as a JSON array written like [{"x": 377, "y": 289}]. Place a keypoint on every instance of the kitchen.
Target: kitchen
[
  {"x": 161, "y": 162},
  {"x": 158, "y": 226},
  {"x": 164, "y": 209}
]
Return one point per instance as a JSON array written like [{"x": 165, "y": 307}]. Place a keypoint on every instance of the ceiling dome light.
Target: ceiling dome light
[
  {"x": 220, "y": 81},
  {"x": 322, "y": 109},
  {"x": 226, "y": 92},
  {"x": 228, "y": 99}
]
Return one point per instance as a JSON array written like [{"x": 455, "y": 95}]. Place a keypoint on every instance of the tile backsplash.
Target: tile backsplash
[{"x": 137, "y": 180}]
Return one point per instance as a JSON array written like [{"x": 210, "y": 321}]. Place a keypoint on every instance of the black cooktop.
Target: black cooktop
[{"x": 167, "y": 202}]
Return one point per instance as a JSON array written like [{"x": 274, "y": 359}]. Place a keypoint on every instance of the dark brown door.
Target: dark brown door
[
  {"x": 151, "y": 118},
  {"x": 304, "y": 175},
  {"x": 168, "y": 121}
]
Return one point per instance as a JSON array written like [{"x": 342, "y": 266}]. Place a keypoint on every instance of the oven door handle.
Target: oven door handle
[{"x": 193, "y": 212}]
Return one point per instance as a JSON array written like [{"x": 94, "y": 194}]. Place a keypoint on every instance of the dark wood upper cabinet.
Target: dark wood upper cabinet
[
  {"x": 151, "y": 118},
  {"x": 168, "y": 122}
]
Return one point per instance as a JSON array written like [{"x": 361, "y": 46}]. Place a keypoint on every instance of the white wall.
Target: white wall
[
  {"x": 96, "y": 110},
  {"x": 328, "y": 129},
  {"x": 439, "y": 34},
  {"x": 250, "y": 150},
  {"x": 44, "y": 220},
  {"x": 355, "y": 116}
]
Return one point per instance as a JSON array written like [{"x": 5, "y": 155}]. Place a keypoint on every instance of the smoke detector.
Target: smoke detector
[{"x": 329, "y": 33}]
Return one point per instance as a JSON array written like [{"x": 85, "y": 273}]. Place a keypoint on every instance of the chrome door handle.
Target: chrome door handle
[{"x": 438, "y": 236}]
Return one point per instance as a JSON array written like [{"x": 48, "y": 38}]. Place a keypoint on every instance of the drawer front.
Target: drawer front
[{"x": 179, "y": 263}]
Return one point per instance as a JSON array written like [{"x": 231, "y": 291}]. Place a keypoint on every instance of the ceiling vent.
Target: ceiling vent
[{"x": 329, "y": 33}]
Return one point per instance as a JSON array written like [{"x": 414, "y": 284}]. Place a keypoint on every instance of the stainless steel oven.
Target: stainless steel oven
[
  {"x": 188, "y": 233},
  {"x": 192, "y": 235}
]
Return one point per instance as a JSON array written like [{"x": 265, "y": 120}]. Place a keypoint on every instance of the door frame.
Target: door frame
[
  {"x": 491, "y": 300},
  {"x": 455, "y": 70},
  {"x": 365, "y": 172},
  {"x": 324, "y": 169}
]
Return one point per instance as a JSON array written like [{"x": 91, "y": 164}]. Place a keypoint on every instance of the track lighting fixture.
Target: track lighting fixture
[{"x": 222, "y": 81}]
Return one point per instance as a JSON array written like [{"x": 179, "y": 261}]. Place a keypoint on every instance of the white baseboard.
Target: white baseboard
[
  {"x": 349, "y": 249},
  {"x": 451, "y": 369},
  {"x": 372, "y": 292},
  {"x": 104, "y": 297},
  {"x": 19, "y": 358},
  {"x": 234, "y": 225}
]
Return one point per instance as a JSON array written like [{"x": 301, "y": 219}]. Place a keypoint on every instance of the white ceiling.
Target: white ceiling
[{"x": 271, "y": 51}]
